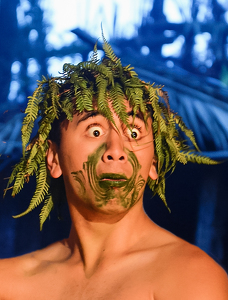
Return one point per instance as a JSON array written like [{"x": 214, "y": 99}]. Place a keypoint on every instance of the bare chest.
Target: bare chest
[{"x": 70, "y": 283}]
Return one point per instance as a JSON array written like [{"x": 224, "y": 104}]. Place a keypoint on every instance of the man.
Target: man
[{"x": 107, "y": 134}]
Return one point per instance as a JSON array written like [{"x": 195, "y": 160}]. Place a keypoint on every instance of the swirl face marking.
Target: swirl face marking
[{"x": 110, "y": 186}]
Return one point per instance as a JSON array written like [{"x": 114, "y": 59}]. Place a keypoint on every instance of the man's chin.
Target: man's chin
[
  {"x": 116, "y": 205},
  {"x": 113, "y": 202}
]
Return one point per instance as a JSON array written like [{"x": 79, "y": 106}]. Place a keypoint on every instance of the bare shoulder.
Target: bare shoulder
[
  {"x": 189, "y": 273},
  {"x": 55, "y": 252},
  {"x": 15, "y": 271},
  {"x": 203, "y": 277}
]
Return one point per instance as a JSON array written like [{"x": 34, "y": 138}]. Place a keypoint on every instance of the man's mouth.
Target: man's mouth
[{"x": 112, "y": 180}]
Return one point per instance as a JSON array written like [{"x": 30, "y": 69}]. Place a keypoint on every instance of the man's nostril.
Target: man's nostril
[{"x": 109, "y": 157}]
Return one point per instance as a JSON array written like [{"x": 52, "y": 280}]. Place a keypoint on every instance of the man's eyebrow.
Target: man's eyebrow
[
  {"x": 138, "y": 115},
  {"x": 87, "y": 115},
  {"x": 94, "y": 113}
]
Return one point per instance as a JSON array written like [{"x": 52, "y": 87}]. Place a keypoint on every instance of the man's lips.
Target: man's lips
[{"x": 109, "y": 180}]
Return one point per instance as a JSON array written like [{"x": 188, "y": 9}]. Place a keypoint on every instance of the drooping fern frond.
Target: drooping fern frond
[
  {"x": 54, "y": 90},
  {"x": 31, "y": 115},
  {"x": 188, "y": 132},
  {"x": 84, "y": 97},
  {"x": 46, "y": 209},
  {"x": 102, "y": 96},
  {"x": 199, "y": 159},
  {"x": 118, "y": 104},
  {"x": 135, "y": 96},
  {"x": 18, "y": 168},
  {"x": 42, "y": 188},
  {"x": 67, "y": 108}
]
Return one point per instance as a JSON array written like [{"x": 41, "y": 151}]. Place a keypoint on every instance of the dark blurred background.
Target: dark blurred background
[{"x": 182, "y": 45}]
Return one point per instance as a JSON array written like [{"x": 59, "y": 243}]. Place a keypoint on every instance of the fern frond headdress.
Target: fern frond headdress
[{"x": 80, "y": 88}]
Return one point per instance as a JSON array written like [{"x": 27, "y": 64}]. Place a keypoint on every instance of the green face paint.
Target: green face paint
[
  {"x": 109, "y": 185},
  {"x": 110, "y": 180}
]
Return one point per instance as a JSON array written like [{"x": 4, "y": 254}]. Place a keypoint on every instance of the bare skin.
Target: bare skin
[
  {"x": 114, "y": 251},
  {"x": 142, "y": 261}
]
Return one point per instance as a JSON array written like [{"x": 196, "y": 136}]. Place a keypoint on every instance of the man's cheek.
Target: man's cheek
[
  {"x": 79, "y": 178},
  {"x": 87, "y": 177}
]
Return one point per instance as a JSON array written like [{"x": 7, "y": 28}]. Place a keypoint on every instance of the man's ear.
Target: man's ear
[
  {"x": 153, "y": 170},
  {"x": 53, "y": 160}
]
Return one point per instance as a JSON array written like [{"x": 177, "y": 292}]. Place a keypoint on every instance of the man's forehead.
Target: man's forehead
[{"x": 130, "y": 113}]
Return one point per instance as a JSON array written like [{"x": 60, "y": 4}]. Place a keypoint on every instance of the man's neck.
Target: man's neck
[{"x": 97, "y": 242}]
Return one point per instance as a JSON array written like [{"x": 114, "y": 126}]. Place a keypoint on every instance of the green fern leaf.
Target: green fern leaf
[
  {"x": 84, "y": 99},
  {"x": 187, "y": 131},
  {"x": 67, "y": 108},
  {"x": 109, "y": 52},
  {"x": 118, "y": 104},
  {"x": 196, "y": 158},
  {"x": 94, "y": 58},
  {"x": 102, "y": 100},
  {"x": 31, "y": 115},
  {"x": 46, "y": 209},
  {"x": 40, "y": 192}
]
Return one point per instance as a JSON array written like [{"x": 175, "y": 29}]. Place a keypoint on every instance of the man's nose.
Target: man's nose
[{"x": 114, "y": 147}]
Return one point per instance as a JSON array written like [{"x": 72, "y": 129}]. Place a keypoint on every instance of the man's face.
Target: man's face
[{"x": 105, "y": 168}]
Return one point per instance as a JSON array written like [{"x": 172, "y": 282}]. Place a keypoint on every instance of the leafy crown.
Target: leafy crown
[{"x": 74, "y": 91}]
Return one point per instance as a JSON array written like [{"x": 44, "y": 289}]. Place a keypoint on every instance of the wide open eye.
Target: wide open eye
[
  {"x": 133, "y": 134},
  {"x": 95, "y": 131}
]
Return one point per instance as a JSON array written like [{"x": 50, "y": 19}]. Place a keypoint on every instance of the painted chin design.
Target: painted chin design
[{"x": 110, "y": 186}]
